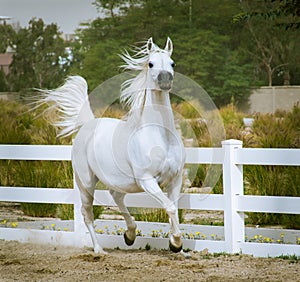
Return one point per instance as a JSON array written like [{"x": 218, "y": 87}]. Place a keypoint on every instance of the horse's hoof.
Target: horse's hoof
[
  {"x": 128, "y": 241},
  {"x": 175, "y": 249},
  {"x": 175, "y": 243}
]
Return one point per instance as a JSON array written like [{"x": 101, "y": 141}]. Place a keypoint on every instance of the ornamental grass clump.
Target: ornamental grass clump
[
  {"x": 273, "y": 131},
  {"x": 279, "y": 130},
  {"x": 21, "y": 126}
]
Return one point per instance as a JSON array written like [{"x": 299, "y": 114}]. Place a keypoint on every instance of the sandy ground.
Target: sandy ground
[{"x": 30, "y": 262}]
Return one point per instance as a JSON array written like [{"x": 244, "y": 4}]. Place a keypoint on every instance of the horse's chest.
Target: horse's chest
[
  {"x": 169, "y": 169},
  {"x": 153, "y": 152},
  {"x": 168, "y": 165}
]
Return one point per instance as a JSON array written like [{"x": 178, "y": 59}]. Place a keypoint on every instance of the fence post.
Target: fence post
[{"x": 234, "y": 226}]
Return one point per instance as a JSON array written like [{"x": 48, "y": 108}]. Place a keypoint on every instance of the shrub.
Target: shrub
[
  {"x": 271, "y": 131},
  {"x": 234, "y": 128},
  {"x": 279, "y": 130}
]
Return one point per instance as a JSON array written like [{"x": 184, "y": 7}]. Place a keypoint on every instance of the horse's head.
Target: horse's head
[
  {"x": 160, "y": 65},
  {"x": 156, "y": 72}
]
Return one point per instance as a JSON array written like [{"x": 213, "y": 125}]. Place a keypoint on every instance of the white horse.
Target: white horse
[{"x": 140, "y": 153}]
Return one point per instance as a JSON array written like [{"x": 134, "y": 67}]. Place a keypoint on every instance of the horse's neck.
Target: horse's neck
[{"x": 157, "y": 110}]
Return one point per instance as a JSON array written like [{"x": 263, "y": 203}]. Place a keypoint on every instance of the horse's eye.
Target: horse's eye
[
  {"x": 150, "y": 65},
  {"x": 173, "y": 65}
]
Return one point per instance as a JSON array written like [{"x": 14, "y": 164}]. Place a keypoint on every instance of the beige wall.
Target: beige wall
[{"x": 269, "y": 99}]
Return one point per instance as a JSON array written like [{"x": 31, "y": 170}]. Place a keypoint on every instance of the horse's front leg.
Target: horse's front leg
[
  {"x": 130, "y": 234},
  {"x": 173, "y": 191},
  {"x": 151, "y": 187}
]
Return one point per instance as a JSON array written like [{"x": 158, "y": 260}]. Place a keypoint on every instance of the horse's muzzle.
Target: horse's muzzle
[{"x": 165, "y": 80}]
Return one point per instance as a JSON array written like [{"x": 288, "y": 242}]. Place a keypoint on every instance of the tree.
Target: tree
[
  {"x": 265, "y": 51},
  {"x": 40, "y": 57},
  {"x": 100, "y": 63},
  {"x": 113, "y": 8},
  {"x": 7, "y": 34},
  {"x": 286, "y": 12},
  {"x": 205, "y": 41},
  {"x": 3, "y": 82},
  {"x": 273, "y": 47}
]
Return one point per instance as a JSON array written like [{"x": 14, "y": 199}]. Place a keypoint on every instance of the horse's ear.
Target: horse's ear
[
  {"x": 150, "y": 45},
  {"x": 169, "y": 46}
]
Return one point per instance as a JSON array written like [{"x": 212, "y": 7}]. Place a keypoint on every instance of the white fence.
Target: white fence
[{"x": 233, "y": 202}]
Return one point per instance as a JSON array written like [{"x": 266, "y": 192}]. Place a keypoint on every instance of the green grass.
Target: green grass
[
  {"x": 291, "y": 258},
  {"x": 153, "y": 215}
]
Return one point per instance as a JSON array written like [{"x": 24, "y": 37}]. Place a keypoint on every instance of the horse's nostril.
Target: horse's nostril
[
  {"x": 159, "y": 78},
  {"x": 162, "y": 76}
]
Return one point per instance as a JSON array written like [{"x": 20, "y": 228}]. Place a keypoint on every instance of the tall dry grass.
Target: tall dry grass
[
  {"x": 19, "y": 125},
  {"x": 279, "y": 130}
]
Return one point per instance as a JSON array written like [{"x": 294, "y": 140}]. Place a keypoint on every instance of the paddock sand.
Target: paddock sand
[{"x": 31, "y": 262}]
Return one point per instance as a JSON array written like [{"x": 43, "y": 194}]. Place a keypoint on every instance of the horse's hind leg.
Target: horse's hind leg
[
  {"x": 87, "y": 198},
  {"x": 129, "y": 234}
]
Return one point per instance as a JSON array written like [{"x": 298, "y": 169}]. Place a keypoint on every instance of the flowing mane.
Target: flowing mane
[{"x": 133, "y": 90}]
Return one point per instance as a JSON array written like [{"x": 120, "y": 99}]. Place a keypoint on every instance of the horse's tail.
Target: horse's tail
[{"x": 71, "y": 103}]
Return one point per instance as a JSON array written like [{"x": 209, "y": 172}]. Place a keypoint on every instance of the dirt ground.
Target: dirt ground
[{"x": 30, "y": 262}]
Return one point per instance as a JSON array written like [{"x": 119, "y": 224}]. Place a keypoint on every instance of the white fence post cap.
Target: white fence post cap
[{"x": 232, "y": 142}]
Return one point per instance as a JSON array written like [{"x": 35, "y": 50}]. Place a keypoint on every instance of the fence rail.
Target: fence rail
[{"x": 233, "y": 202}]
